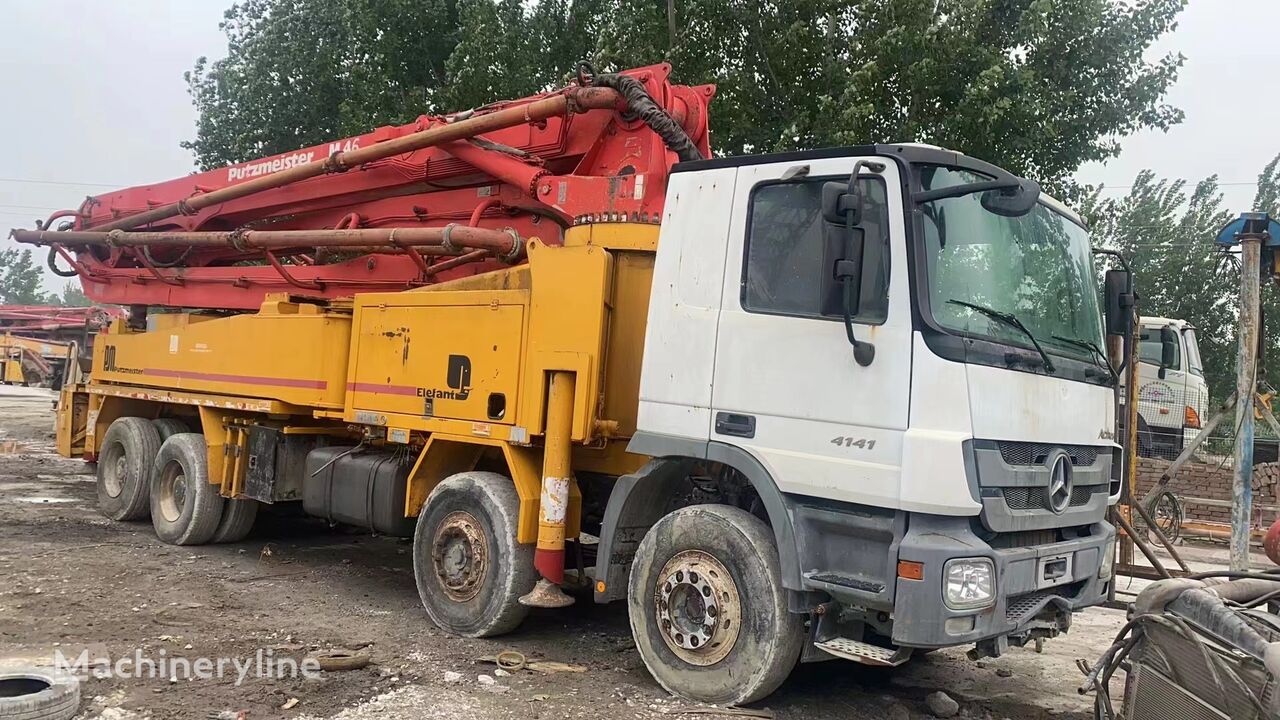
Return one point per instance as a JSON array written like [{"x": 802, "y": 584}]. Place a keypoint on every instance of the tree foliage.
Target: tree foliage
[
  {"x": 20, "y": 279},
  {"x": 72, "y": 296},
  {"x": 302, "y": 72},
  {"x": 1037, "y": 86},
  {"x": 1166, "y": 229}
]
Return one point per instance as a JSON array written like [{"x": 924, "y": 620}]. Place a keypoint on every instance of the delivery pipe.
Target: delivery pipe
[
  {"x": 574, "y": 99},
  {"x": 505, "y": 243}
]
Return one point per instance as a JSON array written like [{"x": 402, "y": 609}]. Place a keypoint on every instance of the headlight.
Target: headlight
[
  {"x": 969, "y": 583},
  {"x": 1108, "y": 559}
]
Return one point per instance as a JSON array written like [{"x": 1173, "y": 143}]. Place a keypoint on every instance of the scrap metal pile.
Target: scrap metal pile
[{"x": 1196, "y": 648}]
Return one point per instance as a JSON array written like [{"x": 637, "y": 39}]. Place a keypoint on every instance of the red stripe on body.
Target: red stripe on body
[
  {"x": 382, "y": 389},
  {"x": 244, "y": 379}
]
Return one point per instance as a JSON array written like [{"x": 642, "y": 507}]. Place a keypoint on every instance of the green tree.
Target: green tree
[
  {"x": 1037, "y": 86},
  {"x": 1267, "y": 199},
  {"x": 302, "y": 72},
  {"x": 73, "y": 296},
  {"x": 20, "y": 279},
  {"x": 1166, "y": 231}
]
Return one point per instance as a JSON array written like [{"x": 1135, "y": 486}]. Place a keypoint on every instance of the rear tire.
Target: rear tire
[
  {"x": 468, "y": 566},
  {"x": 237, "y": 521},
  {"x": 735, "y": 650},
  {"x": 185, "y": 508},
  {"x": 168, "y": 427},
  {"x": 128, "y": 450}
]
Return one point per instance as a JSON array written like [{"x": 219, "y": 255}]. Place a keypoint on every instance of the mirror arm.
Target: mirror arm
[
  {"x": 925, "y": 196},
  {"x": 863, "y": 352}
]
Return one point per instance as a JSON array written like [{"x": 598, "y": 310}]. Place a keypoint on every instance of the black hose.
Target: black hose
[
  {"x": 53, "y": 264},
  {"x": 640, "y": 103}
]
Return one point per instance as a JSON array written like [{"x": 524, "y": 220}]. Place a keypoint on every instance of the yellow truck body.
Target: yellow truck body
[{"x": 456, "y": 372}]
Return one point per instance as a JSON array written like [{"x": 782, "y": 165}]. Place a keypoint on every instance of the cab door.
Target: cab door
[{"x": 787, "y": 387}]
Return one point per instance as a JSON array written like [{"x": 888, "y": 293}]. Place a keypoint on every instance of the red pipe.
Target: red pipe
[
  {"x": 484, "y": 205},
  {"x": 305, "y": 285}
]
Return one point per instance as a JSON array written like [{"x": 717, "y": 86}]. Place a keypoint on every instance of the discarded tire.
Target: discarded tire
[
  {"x": 38, "y": 695},
  {"x": 128, "y": 449}
]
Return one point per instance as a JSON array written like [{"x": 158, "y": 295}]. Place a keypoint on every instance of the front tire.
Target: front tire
[
  {"x": 129, "y": 448},
  {"x": 185, "y": 508},
  {"x": 468, "y": 566},
  {"x": 708, "y": 611}
]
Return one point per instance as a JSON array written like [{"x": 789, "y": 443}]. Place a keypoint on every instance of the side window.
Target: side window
[{"x": 792, "y": 253}]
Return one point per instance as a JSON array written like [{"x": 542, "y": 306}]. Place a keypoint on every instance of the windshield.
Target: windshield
[
  {"x": 1151, "y": 348},
  {"x": 1036, "y": 267},
  {"x": 1194, "y": 363}
]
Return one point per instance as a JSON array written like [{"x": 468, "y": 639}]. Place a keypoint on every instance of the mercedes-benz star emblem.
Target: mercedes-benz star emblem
[{"x": 1060, "y": 481}]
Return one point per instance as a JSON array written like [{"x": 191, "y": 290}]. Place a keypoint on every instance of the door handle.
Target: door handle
[{"x": 736, "y": 424}]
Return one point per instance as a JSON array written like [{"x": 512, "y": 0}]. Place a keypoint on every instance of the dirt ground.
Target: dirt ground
[{"x": 73, "y": 581}]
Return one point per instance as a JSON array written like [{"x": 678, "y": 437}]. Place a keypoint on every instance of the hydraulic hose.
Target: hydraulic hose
[{"x": 639, "y": 102}]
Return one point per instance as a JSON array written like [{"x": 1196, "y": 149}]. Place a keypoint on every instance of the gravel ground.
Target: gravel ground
[{"x": 73, "y": 581}]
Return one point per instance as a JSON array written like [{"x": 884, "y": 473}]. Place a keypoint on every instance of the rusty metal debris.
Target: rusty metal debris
[
  {"x": 1207, "y": 647},
  {"x": 340, "y": 660}
]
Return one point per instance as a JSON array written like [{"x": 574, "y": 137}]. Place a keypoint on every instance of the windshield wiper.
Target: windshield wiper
[
  {"x": 1093, "y": 348},
  {"x": 1011, "y": 320}
]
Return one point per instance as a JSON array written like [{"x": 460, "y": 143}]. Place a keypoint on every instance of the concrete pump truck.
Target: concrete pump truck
[{"x": 836, "y": 403}]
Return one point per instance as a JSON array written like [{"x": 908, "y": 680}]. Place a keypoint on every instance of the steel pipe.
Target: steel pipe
[
  {"x": 505, "y": 243},
  {"x": 572, "y": 100}
]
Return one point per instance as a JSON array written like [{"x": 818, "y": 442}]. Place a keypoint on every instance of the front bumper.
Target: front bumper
[{"x": 1025, "y": 602}]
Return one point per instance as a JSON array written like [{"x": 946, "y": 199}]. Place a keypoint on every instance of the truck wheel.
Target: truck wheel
[
  {"x": 129, "y": 448},
  {"x": 169, "y": 426},
  {"x": 185, "y": 508},
  {"x": 237, "y": 521},
  {"x": 469, "y": 568},
  {"x": 708, "y": 612}
]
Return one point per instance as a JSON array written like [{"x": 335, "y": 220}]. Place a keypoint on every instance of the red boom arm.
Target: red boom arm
[{"x": 529, "y": 167}]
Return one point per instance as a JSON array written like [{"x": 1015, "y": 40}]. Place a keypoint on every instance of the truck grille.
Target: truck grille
[
  {"x": 1029, "y": 453},
  {"x": 1035, "y": 498}
]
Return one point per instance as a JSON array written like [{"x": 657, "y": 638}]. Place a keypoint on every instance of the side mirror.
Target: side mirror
[
  {"x": 1013, "y": 201},
  {"x": 842, "y": 207},
  {"x": 1168, "y": 347},
  {"x": 1118, "y": 306},
  {"x": 848, "y": 271},
  {"x": 838, "y": 200}
]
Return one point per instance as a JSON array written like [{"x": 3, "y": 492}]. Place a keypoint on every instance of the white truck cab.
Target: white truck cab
[
  {"x": 910, "y": 375},
  {"x": 1172, "y": 394}
]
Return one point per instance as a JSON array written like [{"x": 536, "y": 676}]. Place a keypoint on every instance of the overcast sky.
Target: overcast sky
[{"x": 93, "y": 93}]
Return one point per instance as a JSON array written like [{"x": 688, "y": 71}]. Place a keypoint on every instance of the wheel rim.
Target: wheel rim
[
  {"x": 114, "y": 470},
  {"x": 173, "y": 492},
  {"x": 698, "y": 610},
  {"x": 460, "y": 555}
]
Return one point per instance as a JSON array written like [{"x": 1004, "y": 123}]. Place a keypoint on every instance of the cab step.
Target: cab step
[{"x": 863, "y": 652}]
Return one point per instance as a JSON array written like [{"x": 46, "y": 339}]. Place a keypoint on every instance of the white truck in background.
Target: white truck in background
[{"x": 1173, "y": 397}]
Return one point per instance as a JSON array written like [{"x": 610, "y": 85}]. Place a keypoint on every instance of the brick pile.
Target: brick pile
[{"x": 1202, "y": 480}]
